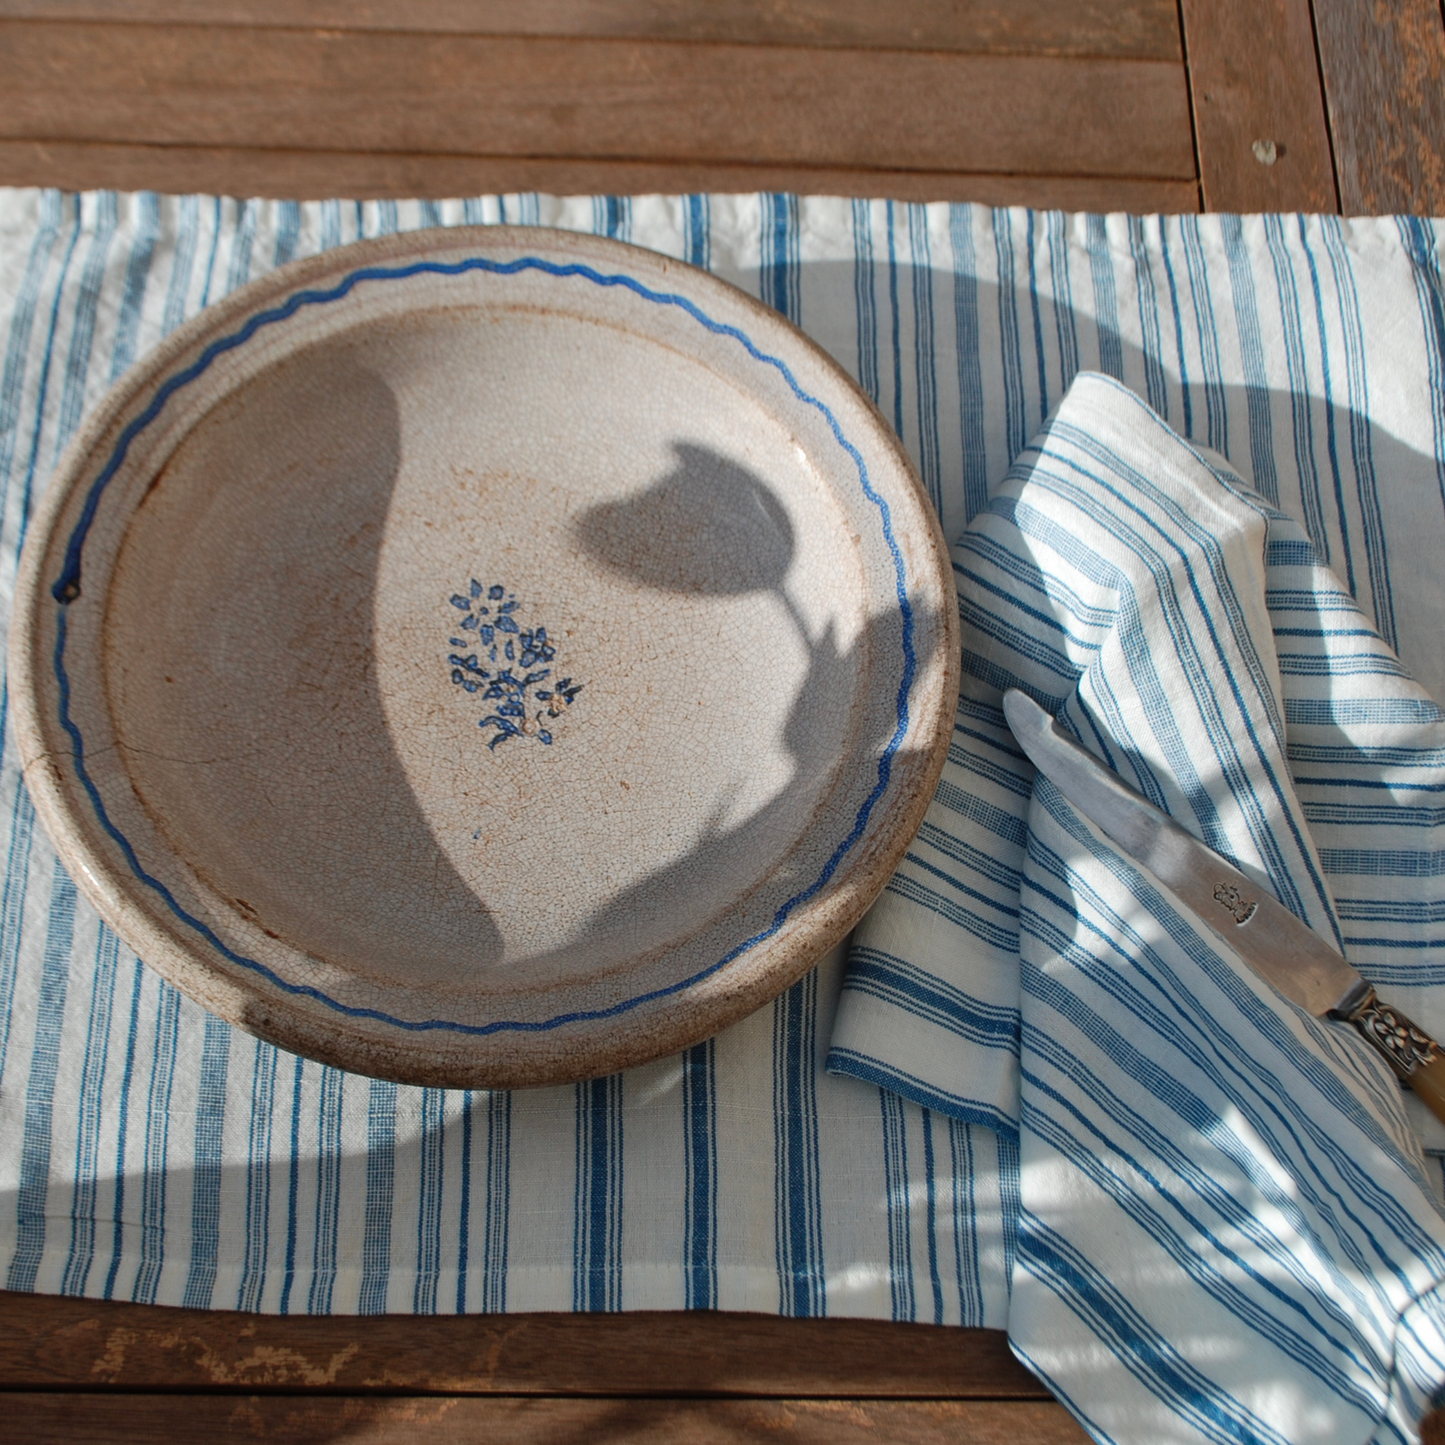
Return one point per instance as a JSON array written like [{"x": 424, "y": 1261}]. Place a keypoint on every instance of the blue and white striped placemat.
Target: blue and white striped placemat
[{"x": 149, "y": 1152}]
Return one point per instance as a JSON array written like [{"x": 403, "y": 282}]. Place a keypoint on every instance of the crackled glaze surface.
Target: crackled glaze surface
[{"x": 488, "y": 657}]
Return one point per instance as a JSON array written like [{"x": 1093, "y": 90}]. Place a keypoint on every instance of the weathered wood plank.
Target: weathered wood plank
[
  {"x": 80, "y": 1419},
  {"x": 1141, "y": 29},
  {"x": 1259, "y": 114},
  {"x": 48, "y": 1342},
  {"x": 303, "y": 175},
  {"x": 1384, "y": 72},
  {"x": 615, "y": 100}
]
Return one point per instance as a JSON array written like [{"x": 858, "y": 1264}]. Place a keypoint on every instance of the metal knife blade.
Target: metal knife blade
[{"x": 1275, "y": 943}]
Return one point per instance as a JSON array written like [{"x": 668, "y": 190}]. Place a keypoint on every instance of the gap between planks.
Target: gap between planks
[{"x": 1143, "y": 29}]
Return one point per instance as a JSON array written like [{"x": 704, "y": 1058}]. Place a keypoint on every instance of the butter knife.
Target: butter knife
[{"x": 1276, "y": 944}]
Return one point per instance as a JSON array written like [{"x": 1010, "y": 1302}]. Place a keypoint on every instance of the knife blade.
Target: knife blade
[{"x": 1277, "y": 945}]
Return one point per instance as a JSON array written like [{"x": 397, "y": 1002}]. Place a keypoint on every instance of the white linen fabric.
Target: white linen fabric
[
  {"x": 150, "y": 1152},
  {"x": 1225, "y": 1229}
]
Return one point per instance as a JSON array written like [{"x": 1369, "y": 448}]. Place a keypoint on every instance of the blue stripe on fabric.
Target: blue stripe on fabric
[
  {"x": 464, "y": 1221},
  {"x": 1040, "y": 360},
  {"x": 1007, "y": 905},
  {"x": 1357, "y": 399},
  {"x": 183, "y": 262},
  {"x": 700, "y": 1176},
  {"x": 210, "y": 271},
  {"x": 141, "y": 257},
  {"x": 1146, "y": 297},
  {"x": 897, "y": 1195},
  {"x": 1249, "y": 338},
  {"x": 1016, "y": 425},
  {"x": 1419, "y": 245},
  {"x": 699, "y": 231},
  {"x": 27, "y": 486},
  {"x": 1165, "y": 257},
  {"x": 326, "y": 1226},
  {"x": 925, "y": 355},
  {"x": 127, "y": 1078},
  {"x": 1066, "y": 328},
  {"x": 919, "y": 1091},
  {"x": 987, "y": 866},
  {"x": 288, "y": 231},
  {"x": 597, "y": 1223},
  {"x": 1332, "y": 447},
  {"x": 935, "y": 1279},
  {"x": 380, "y": 1191},
  {"x": 1106, "y": 297},
  {"x": 972, "y": 408},
  {"x": 1006, "y": 778},
  {"x": 968, "y": 1274},
  {"x": 67, "y": 587},
  {"x": 1385, "y": 862},
  {"x": 22, "y": 323},
  {"x": 260, "y": 1157},
  {"x": 12, "y": 909},
  {"x": 293, "y": 1188},
  {"x": 896, "y": 315},
  {"x": 497, "y": 1217},
  {"x": 206, "y": 1157},
  {"x": 431, "y": 1186},
  {"x": 82, "y": 322},
  {"x": 155, "y": 1177},
  {"x": 798, "y": 1229},
  {"x": 1298, "y": 385},
  {"x": 922, "y": 993},
  {"x": 91, "y": 1115},
  {"x": 33, "y": 1190},
  {"x": 865, "y": 301},
  {"x": 779, "y": 274},
  {"x": 996, "y": 935},
  {"x": 1348, "y": 712},
  {"x": 1006, "y": 825}
]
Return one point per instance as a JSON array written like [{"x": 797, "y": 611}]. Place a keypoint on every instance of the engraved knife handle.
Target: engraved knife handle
[{"x": 1408, "y": 1049}]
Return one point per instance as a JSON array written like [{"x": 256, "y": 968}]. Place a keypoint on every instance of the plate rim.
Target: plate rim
[{"x": 229, "y": 325}]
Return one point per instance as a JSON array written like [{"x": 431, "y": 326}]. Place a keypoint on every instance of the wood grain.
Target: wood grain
[
  {"x": 1384, "y": 69},
  {"x": 596, "y": 99},
  {"x": 163, "y": 1419},
  {"x": 1141, "y": 29},
  {"x": 78, "y": 166},
  {"x": 1253, "y": 80},
  {"x": 48, "y": 1342}
]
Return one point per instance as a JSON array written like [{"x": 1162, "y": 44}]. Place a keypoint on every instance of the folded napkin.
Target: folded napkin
[{"x": 1226, "y": 1232}]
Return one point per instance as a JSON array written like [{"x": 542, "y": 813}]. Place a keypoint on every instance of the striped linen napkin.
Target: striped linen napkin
[{"x": 1226, "y": 1231}]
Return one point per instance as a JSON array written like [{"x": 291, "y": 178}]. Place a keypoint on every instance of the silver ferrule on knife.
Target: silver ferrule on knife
[{"x": 1275, "y": 943}]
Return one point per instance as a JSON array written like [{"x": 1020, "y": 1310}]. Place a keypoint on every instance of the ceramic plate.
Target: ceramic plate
[{"x": 484, "y": 657}]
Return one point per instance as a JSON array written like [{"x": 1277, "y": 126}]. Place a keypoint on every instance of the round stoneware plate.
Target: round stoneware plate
[{"x": 484, "y": 657}]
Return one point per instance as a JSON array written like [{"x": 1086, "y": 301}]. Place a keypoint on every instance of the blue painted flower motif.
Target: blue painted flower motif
[
  {"x": 536, "y": 648},
  {"x": 514, "y": 697}
]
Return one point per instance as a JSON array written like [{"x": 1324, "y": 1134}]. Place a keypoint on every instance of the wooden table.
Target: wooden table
[{"x": 1141, "y": 105}]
